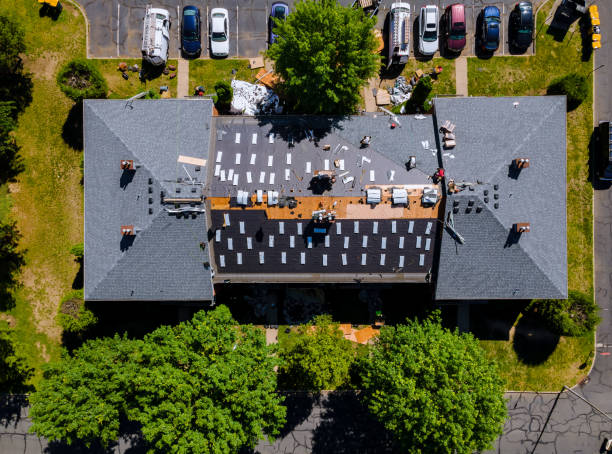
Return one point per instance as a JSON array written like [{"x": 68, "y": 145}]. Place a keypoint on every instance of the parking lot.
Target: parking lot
[{"x": 116, "y": 25}]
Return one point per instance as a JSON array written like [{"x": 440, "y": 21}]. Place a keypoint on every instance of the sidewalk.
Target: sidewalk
[
  {"x": 461, "y": 76},
  {"x": 182, "y": 89}
]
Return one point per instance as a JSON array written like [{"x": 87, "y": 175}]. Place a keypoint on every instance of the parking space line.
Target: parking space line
[
  {"x": 118, "y": 15},
  {"x": 503, "y": 28},
  {"x": 237, "y": 40},
  {"x": 178, "y": 28}
]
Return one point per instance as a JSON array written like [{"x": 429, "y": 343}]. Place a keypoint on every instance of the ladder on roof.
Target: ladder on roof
[
  {"x": 148, "y": 33},
  {"x": 401, "y": 29}
]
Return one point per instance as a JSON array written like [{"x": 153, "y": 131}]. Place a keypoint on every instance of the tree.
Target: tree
[
  {"x": 324, "y": 53},
  {"x": 434, "y": 389},
  {"x": 14, "y": 372},
  {"x": 574, "y": 316},
  {"x": 225, "y": 93},
  {"x": 15, "y": 85},
  {"x": 74, "y": 317},
  {"x": 80, "y": 79},
  {"x": 77, "y": 251},
  {"x": 421, "y": 95},
  {"x": 317, "y": 357},
  {"x": 11, "y": 258},
  {"x": 574, "y": 86},
  {"x": 203, "y": 386}
]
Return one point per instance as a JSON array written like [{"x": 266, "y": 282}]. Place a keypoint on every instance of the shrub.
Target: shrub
[
  {"x": 316, "y": 357},
  {"x": 574, "y": 316},
  {"x": 77, "y": 251},
  {"x": 421, "y": 95},
  {"x": 574, "y": 86},
  {"x": 80, "y": 79},
  {"x": 225, "y": 93},
  {"x": 73, "y": 316}
]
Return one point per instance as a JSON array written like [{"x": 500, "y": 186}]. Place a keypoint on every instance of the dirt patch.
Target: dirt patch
[
  {"x": 71, "y": 307},
  {"x": 43, "y": 66},
  {"x": 8, "y": 319},
  {"x": 43, "y": 293},
  {"x": 13, "y": 188},
  {"x": 43, "y": 351}
]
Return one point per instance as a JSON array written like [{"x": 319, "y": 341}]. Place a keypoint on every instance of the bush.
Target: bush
[
  {"x": 73, "y": 316},
  {"x": 77, "y": 251},
  {"x": 225, "y": 93},
  {"x": 574, "y": 86},
  {"x": 317, "y": 357},
  {"x": 420, "y": 98},
  {"x": 80, "y": 79},
  {"x": 574, "y": 316}
]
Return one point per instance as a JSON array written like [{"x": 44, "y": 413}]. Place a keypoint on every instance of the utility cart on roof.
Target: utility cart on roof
[
  {"x": 369, "y": 6},
  {"x": 156, "y": 36}
]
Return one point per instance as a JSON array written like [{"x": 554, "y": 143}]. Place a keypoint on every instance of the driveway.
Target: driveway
[{"x": 116, "y": 25}]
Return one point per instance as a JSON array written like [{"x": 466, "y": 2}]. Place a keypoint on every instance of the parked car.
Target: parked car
[
  {"x": 279, "y": 11},
  {"x": 521, "y": 25},
  {"x": 155, "y": 36},
  {"x": 428, "y": 30},
  {"x": 219, "y": 32},
  {"x": 491, "y": 23},
  {"x": 191, "y": 26},
  {"x": 455, "y": 27}
]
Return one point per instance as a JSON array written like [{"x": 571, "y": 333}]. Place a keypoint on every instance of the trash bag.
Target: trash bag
[{"x": 251, "y": 99}]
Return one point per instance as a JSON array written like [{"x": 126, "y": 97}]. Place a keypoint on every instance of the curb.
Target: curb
[{"x": 80, "y": 8}]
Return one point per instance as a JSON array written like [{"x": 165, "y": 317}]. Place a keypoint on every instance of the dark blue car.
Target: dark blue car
[
  {"x": 191, "y": 42},
  {"x": 491, "y": 23},
  {"x": 279, "y": 11}
]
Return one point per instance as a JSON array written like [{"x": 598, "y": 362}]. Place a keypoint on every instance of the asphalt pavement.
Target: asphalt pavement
[{"x": 115, "y": 26}]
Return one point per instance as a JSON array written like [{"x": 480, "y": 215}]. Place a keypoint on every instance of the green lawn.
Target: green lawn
[
  {"x": 47, "y": 199},
  {"x": 445, "y": 83},
  {"x": 207, "y": 72},
  {"x": 513, "y": 76},
  {"x": 119, "y": 88}
]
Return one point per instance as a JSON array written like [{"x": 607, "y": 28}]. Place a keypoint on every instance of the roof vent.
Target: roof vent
[
  {"x": 430, "y": 196},
  {"x": 400, "y": 196},
  {"x": 242, "y": 198},
  {"x": 373, "y": 196},
  {"x": 522, "y": 227},
  {"x": 128, "y": 230},
  {"x": 521, "y": 163},
  {"x": 127, "y": 164},
  {"x": 411, "y": 164}
]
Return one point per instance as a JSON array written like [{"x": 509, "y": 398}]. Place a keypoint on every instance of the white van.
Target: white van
[{"x": 156, "y": 36}]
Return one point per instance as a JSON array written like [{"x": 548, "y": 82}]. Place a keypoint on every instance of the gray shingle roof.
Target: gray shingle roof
[
  {"x": 490, "y": 133},
  {"x": 164, "y": 261}
]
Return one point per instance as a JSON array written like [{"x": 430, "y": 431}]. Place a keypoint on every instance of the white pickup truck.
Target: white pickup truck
[{"x": 156, "y": 36}]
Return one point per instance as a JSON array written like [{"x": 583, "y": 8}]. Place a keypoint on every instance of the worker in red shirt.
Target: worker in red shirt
[{"x": 438, "y": 175}]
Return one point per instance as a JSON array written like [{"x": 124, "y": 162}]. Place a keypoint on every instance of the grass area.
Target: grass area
[
  {"x": 445, "y": 82},
  {"x": 567, "y": 365},
  {"x": 511, "y": 76},
  {"x": 208, "y": 72},
  {"x": 47, "y": 199},
  {"x": 119, "y": 88}
]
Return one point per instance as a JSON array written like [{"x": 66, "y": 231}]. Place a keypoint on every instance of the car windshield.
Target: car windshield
[
  {"x": 279, "y": 12},
  {"x": 430, "y": 36},
  {"x": 218, "y": 36},
  {"x": 189, "y": 12},
  {"x": 457, "y": 36},
  {"x": 160, "y": 16}
]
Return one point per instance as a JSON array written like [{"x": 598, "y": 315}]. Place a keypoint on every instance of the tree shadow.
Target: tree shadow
[
  {"x": 533, "y": 342},
  {"x": 14, "y": 372},
  {"x": 47, "y": 10},
  {"x": 561, "y": 23},
  {"x": 295, "y": 129},
  {"x": 16, "y": 86},
  {"x": 587, "y": 44},
  {"x": 11, "y": 261},
  {"x": 77, "y": 283},
  {"x": 347, "y": 427},
  {"x": 494, "y": 321},
  {"x": 72, "y": 130},
  {"x": 299, "y": 407},
  {"x": 12, "y": 409}
]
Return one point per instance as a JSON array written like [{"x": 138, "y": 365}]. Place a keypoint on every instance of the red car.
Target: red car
[{"x": 455, "y": 27}]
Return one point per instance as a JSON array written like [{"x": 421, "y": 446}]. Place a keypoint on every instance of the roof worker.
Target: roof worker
[
  {"x": 452, "y": 188},
  {"x": 365, "y": 142},
  {"x": 438, "y": 175}
]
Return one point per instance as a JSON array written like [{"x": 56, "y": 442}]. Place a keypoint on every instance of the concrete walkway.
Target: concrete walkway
[
  {"x": 368, "y": 95},
  {"x": 182, "y": 88},
  {"x": 461, "y": 76}
]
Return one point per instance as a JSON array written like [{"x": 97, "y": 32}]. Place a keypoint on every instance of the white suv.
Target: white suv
[
  {"x": 428, "y": 30},
  {"x": 219, "y": 32}
]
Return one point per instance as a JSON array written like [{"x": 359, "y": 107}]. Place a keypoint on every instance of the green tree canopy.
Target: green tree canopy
[
  {"x": 574, "y": 316},
  {"x": 14, "y": 372},
  {"x": 204, "y": 386},
  {"x": 15, "y": 85},
  {"x": 317, "y": 357},
  {"x": 12, "y": 43},
  {"x": 434, "y": 389},
  {"x": 225, "y": 93},
  {"x": 325, "y": 53}
]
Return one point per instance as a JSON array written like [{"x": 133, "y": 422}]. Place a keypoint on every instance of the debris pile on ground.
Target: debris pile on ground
[
  {"x": 251, "y": 99},
  {"x": 400, "y": 92}
]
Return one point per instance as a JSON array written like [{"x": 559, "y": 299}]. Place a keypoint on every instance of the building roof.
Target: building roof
[
  {"x": 495, "y": 262},
  {"x": 167, "y": 141}
]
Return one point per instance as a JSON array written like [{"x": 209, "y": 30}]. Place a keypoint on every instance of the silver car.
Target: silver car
[{"x": 428, "y": 30}]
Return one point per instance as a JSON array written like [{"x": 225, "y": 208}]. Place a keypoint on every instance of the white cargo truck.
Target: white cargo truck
[
  {"x": 399, "y": 34},
  {"x": 156, "y": 36}
]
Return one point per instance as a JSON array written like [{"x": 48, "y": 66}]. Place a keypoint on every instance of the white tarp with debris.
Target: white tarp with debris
[
  {"x": 400, "y": 92},
  {"x": 251, "y": 99}
]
